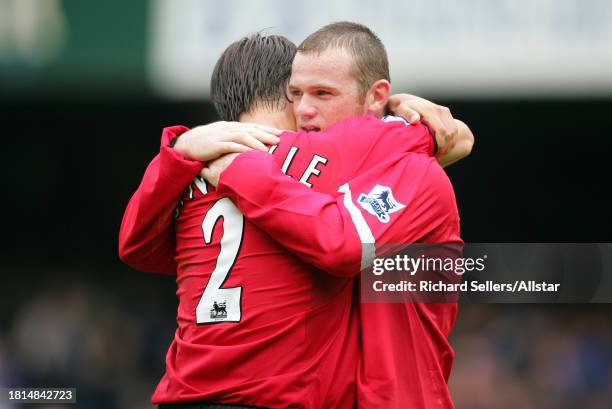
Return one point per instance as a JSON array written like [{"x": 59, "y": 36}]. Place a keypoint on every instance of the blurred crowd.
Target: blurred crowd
[
  {"x": 110, "y": 343},
  {"x": 533, "y": 356}
]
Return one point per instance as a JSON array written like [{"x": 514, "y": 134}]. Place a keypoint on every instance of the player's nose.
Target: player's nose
[{"x": 304, "y": 108}]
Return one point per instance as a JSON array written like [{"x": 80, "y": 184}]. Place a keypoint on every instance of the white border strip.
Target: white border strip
[{"x": 365, "y": 234}]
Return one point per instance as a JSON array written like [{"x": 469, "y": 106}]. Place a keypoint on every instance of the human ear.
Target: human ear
[{"x": 377, "y": 97}]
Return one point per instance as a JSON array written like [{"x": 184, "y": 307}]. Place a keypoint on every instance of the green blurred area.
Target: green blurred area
[{"x": 74, "y": 48}]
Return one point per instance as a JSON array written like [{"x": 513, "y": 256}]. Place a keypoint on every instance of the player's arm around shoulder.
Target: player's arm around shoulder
[
  {"x": 313, "y": 225},
  {"x": 146, "y": 235},
  {"x": 464, "y": 142},
  {"x": 453, "y": 137}
]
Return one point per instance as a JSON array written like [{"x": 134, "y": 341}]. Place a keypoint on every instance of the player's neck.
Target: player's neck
[{"x": 280, "y": 119}]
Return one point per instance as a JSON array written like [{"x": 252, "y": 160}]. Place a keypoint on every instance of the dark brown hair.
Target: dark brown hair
[
  {"x": 252, "y": 72},
  {"x": 368, "y": 52}
]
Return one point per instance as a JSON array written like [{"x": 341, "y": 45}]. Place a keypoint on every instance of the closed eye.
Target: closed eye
[{"x": 295, "y": 92}]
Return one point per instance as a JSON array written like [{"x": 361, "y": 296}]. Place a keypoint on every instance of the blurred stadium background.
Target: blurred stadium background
[{"x": 85, "y": 88}]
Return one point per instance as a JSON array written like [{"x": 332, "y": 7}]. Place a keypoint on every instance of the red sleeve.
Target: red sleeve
[
  {"x": 147, "y": 237},
  {"x": 399, "y": 201},
  {"x": 315, "y": 226}
]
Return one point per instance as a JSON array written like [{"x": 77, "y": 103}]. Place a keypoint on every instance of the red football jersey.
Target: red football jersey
[
  {"x": 256, "y": 324},
  {"x": 405, "y": 357}
]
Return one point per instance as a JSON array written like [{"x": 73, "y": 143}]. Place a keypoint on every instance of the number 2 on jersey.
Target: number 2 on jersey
[{"x": 222, "y": 304}]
